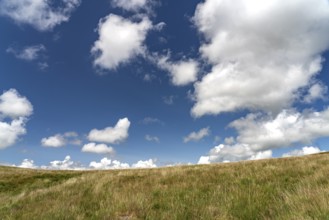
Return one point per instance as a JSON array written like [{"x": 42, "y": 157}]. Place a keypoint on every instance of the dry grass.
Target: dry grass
[{"x": 294, "y": 188}]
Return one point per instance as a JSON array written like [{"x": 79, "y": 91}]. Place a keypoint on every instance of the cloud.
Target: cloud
[
  {"x": 106, "y": 164},
  {"x": 316, "y": 91},
  {"x": 149, "y": 77},
  {"x": 59, "y": 140},
  {"x": 13, "y": 105},
  {"x": 145, "y": 164},
  {"x": 169, "y": 100},
  {"x": 10, "y": 132},
  {"x": 259, "y": 134},
  {"x": 204, "y": 160},
  {"x": 304, "y": 151},
  {"x": 150, "y": 120},
  {"x": 131, "y": 5},
  {"x": 152, "y": 138},
  {"x": 97, "y": 148},
  {"x": 53, "y": 141},
  {"x": 120, "y": 40},
  {"x": 261, "y": 155},
  {"x": 262, "y": 53},
  {"x": 232, "y": 153},
  {"x": 262, "y": 132},
  {"x": 181, "y": 72},
  {"x": 14, "y": 112},
  {"x": 40, "y": 14},
  {"x": 111, "y": 135},
  {"x": 28, "y": 53},
  {"x": 196, "y": 136},
  {"x": 66, "y": 164},
  {"x": 26, "y": 163}
]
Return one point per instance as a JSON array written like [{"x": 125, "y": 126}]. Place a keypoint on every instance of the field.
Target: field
[{"x": 289, "y": 188}]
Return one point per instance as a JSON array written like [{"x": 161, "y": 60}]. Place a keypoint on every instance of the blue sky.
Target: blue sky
[{"x": 145, "y": 83}]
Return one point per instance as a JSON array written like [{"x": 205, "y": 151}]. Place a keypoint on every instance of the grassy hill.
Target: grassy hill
[{"x": 290, "y": 188}]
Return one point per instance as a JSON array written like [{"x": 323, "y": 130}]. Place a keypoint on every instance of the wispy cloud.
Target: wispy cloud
[{"x": 197, "y": 136}]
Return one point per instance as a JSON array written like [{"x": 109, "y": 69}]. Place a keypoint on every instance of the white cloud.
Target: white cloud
[
  {"x": 288, "y": 127},
  {"x": 17, "y": 108},
  {"x": 120, "y": 40},
  {"x": 105, "y": 164},
  {"x": 59, "y": 140},
  {"x": 261, "y": 155},
  {"x": 13, "y": 105},
  {"x": 196, "y": 136},
  {"x": 304, "y": 151},
  {"x": 259, "y": 134},
  {"x": 97, "y": 148},
  {"x": 316, "y": 91},
  {"x": 38, "y": 13},
  {"x": 261, "y": 52},
  {"x": 53, "y": 141},
  {"x": 112, "y": 135},
  {"x": 26, "y": 163},
  {"x": 28, "y": 53},
  {"x": 152, "y": 138},
  {"x": 66, "y": 164},
  {"x": 145, "y": 164},
  {"x": 10, "y": 132},
  {"x": 204, "y": 160},
  {"x": 232, "y": 153},
  {"x": 182, "y": 72},
  {"x": 130, "y": 5}
]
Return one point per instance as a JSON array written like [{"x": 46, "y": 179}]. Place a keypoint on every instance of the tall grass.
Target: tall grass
[{"x": 290, "y": 188}]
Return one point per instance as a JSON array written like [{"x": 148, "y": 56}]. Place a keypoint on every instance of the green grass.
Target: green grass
[{"x": 290, "y": 188}]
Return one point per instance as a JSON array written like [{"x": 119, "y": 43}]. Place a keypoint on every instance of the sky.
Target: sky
[{"x": 149, "y": 83}]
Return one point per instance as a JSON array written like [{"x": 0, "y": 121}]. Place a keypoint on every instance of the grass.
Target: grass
[{"x": 289, "y": 188}]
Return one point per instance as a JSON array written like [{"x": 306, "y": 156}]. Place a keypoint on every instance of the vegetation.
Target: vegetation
[{"x": 289, "y": 188}]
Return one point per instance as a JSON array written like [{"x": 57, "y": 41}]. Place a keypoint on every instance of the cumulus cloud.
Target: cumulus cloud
[
  {"x": 145, "y": 164},
  {"x": 316, "y": 91},
  {"x": 53, "y": 141},
  {"x": 131, "y": 5},
  {"x": 262, "y": 132},
  {"x": 262, "y": 53},
  {"x": 181, "y": 72},
  {"x": 204, "y": 160},
  {"x": 10, "y": 132},
  {"x": 261, "y": 155},
  {"x": 152, "y": 138},
  {"x": 304, "y": 151},
  {"x": 259, "y": 134},
  {"x": 232, "y": 153},
  {"x": 66, "y": 164},
  {"x": 60, "y": 140},
  {"x": 13, "y": 105},
  {"x": 41, "y": 14},
  {"x": 26, "y": 163},
  {"x": 97, "y": 148},
  {"x": 28, "y": 53},
  {"x": 16, "y": 109},
  {"x": 196, "y": 136},
  {"x": 112, "y": 135},
  {"x": 120, "y": 40},
  {"x": 106, "y": 164}
]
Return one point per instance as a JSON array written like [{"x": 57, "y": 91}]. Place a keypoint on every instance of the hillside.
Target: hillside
[{"x": 289, "y": 188}]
